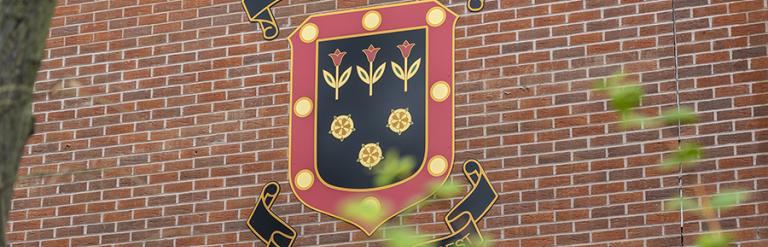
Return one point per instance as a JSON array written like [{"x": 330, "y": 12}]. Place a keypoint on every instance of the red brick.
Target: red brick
[{"x": 182, "y": 113}]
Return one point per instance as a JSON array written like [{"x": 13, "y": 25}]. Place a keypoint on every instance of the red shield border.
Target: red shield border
[{"x": 394, "y": 199}]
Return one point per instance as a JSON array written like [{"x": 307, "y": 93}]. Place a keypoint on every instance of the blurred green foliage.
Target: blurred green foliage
[
  {"x": 362, "y": 210},
  {"x": 393, "y": 168},
  {"x": 482, "y": 243},
  {"x": 681, "y": 203},
  {"x": 728, "y": 199},
  {"x": 686, "y": 155},
  {"x": 722, "y": 201},
  {"x": 447, "y": 190},
  {"x": 405, "y": 237},
  {"x": 625, "y": 97},
  {"x": 684, "y": 115},
  {"x": 713, "y": 240}
]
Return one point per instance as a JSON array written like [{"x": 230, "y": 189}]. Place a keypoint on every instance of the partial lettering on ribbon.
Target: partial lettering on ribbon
[
  {"x": 475, "y": 5},
  {"x": 267, "y": 226},
  {"x": 259, "y": 11},
  {"x": 462, "y": 219}
]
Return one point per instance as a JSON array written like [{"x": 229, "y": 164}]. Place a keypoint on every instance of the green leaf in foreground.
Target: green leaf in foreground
[
  {"x": 400, "y": 237},
  {"x": 683, "y": 116},
  {"x": 687, "y": 154},
  {"x": 446, "y": 190},
  {"x": 365, "y": 210},
  {"x": 713, "y": 240},
  {"x": 727, "y": 199},
  {"x": 681, "y": 203},
  {"x": 625, "y": 97},
  {"x": 632, "y": 120},
  {"x": 393, "y": 168}
]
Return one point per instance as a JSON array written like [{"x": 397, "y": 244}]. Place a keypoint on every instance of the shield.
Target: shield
[{"x": 372, "y": 107}]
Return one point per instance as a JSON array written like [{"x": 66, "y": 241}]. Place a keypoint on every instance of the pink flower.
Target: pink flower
[
  {"x": 370, "y": 53},
  {"x": 405, "y": 48},
  {"x": 337, "y": 56}
]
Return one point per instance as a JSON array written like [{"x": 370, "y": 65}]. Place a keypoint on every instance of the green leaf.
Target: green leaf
[
  {"x": 681, "y": 203},
  {"x": 625, "y": 97},
  {"x": 363, "y": 210},
  {"x": 393, "y": 168},
  {"x": 713, "y": 240},
  {"x": 631, "y": 120},
  {"x": 447, "y": 190},
  {"x": 727, "y": 199},
  {"x": 683, "y": 116},
  {"x": 399, "y": 237},
  {"x": 686, "y": 155}
]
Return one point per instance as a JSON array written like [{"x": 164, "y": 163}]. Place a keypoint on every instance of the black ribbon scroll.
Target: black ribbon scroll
[
  {"x": 259, "y": 11},
  {"x": 270, "y": 229},
  {"x": 475, "y": 5},
  {"x": 462, "y": 219}
]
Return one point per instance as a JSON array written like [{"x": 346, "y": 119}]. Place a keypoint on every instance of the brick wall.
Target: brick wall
[{"x": 159, "y": 121}]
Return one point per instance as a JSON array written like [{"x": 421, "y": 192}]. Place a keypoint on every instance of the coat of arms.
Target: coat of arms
[
  {"x": 360, "y": 90},
  {"x": 371, "y": 93}
]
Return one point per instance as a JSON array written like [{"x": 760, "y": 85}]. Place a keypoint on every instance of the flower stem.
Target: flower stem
[
  {"x": 336, "y": 84},
  {"x": 405, "y": 74},
  {"x": 370, "y": 78}
]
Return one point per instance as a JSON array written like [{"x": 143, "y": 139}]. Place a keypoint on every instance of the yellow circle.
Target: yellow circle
[
  {"x": 435, "y": 16},
  {"x": 302, "y": 107},
  {"x": 304, "y": 179},
  {"x": 399, "y": 120},
  {"x": 370, "y": 155},
  {"x": 309, "y": 32},
  {"x": 342, "y": 126},
  {"x": 440, "y": 91},
  {"x": 437, "y": 166},
  {"x": 372, "y": 203},
  {"x": 371, "y": 20}
]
